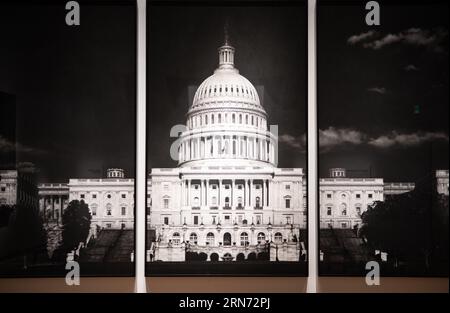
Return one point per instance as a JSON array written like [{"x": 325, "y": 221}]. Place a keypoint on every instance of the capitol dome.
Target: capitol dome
[
  {"x": 226, "y": 87},
  {"x": 226, "y": 121}
]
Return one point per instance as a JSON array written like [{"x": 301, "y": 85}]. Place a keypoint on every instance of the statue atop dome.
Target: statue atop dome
[
  {"x": 225, "y": 30},
  {"x": 226, "y": 52}
]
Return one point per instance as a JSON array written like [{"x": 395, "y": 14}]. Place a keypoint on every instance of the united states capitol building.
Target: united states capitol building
[{"x": 226, "y": 199}]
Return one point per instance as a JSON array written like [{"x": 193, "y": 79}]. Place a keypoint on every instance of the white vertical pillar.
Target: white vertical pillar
[
  {"x": 139, "y": 253},
  {"x": 204, "y": 147},
  {"x": 247, "y": 155},
  {"x": 312, "y": 153}
]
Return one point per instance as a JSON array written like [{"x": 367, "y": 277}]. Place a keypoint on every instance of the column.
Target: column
[
  {"x": 247, "y": 155},
  {"x": 259, "y": 149},
  {"x": 273, "y": 153},
  {"x": 263, "y": 201},
  {"x": 45, "y": 208},
  {"x": 244, "y": 200},
  {"x": 60, "y": 208},
  {"x": 265, "y": 150},
  {"x": 53, "y": 207},
  {"x": 269, "y": 157},
  {"x": 198, "y": 147},
  {"x": 206, "y": 192},
  {"x": 205, "y": 147},
  {"x": 232, "y": 194},
  {"x": 182, "y": 192},
  {"x": 251, "y": 194},
  {"x": 205, "y": 187},
  {"x": 220, "y": 193},
  {"x": 189, "y": 143},
  {"x": 247, "y": 195},
  {"x": 200, "y": 198},
  {"x": 189, "y": 193},
  {"x": 268, "y": 193}
]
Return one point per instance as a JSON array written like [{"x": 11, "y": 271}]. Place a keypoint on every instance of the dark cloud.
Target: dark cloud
[
  {"x": 352, "y": 40},
  {"x": 433, "y": 39},
  {"x": 9, "y": 146},
  {"x": 406, "y": 140},
  {"x": 411, "y": 68},
  {"x": 380, "y": 90},
  {"x": 333, "y": 137}
]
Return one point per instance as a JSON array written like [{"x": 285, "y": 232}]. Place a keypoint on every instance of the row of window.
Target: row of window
[
  {"x": 343, "y": 209},
  {"x": 287, "y": 202},
  {"x": 219, "y": 90},
  {"x": 109, "y": 196},
  {"x": 211, "y": 240},
  {"x": 344, "y": 196},
  {"x": 205, "y": 119},
  {"x": 166, "y": 202},
  {"x": 93, "y": 207},
  {"x": 227, "y": 218}
]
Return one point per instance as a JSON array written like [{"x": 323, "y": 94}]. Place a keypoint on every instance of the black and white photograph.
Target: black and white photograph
[
  {"x": 226, "y": 98},
  {"x": 383, "y": 139},
  {"x": 67, "y": 138}
]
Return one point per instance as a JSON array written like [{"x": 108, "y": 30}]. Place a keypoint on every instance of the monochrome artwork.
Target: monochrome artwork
[
  {"x": 226, "y": 128},
  {"x": 67, "y": 139},
  {"x": 383, "y": 139},
  {"x": 226, "y": 96}
]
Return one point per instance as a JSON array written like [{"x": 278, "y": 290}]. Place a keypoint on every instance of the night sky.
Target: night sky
[
  {"x": 74, "y": 87},
  {"x": 270, "y": 45},
  {"x": 382, "y": 90}
]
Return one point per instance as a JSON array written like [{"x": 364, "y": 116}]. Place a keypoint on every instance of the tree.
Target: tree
[
  {"x": 5, "y": 213},
  {"x": 409, "y": 226},
  {"x": 76, "y": 222},
  {"x": 26, "y": 235}
]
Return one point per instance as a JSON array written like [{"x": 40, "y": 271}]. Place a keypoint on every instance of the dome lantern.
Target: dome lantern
[{"x": 226, "y": 53}]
